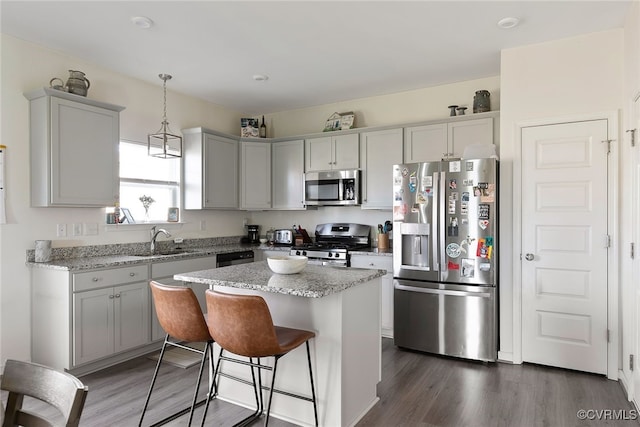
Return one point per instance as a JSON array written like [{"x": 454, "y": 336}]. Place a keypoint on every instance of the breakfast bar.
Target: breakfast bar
[{"x": 342, "y": 306}]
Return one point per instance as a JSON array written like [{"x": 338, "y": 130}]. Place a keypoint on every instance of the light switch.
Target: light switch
[
  {"x": 77, "y": 229},
  {"x": 61, "y": 230}
]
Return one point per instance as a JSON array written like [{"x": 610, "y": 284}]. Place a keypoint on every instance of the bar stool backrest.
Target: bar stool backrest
[
  {"x": 179, "y": 313},
  {"x": 242, "y": 324}
]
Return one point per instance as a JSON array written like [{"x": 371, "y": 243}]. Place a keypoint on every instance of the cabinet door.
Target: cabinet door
[
  {"x": 386, "y": 290},
  {"x": 84, "y": 143},
  {"x": 255, "y": 175},
  {"x": 425, "y": 143},
  {"x": 220, "y": 170},
  {"x": 318, "y": 154},
  {"x": 92, "y": 325},
  {"x": 346, "y": 149},
  {"x": 464, "y": 133},
  {"x": 380, "y": 150},
  {"x": 131, "y": 316},
  {"x": 287, "y": 171}
]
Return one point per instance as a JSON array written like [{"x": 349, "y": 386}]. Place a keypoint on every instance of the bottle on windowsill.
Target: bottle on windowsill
[{"x": 263, "y": 129}]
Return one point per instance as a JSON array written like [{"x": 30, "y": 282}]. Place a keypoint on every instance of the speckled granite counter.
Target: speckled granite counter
[
  {"x": 313, "y": 282},
  {"x": 373, "y": 251}
]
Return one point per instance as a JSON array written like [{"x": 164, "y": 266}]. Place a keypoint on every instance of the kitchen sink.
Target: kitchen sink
[{"x": 165, "y": 252}]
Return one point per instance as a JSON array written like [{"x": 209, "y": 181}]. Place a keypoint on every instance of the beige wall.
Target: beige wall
[
  {"x": 567, "y": 77},
  {"x": 26, "y": 67},
  {"x": 398, "y": 108}
]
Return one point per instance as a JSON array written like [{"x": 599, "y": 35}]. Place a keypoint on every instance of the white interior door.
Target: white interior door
[
  {"x": 635, "y": 273},
  {"x": 564, "y": 245}
]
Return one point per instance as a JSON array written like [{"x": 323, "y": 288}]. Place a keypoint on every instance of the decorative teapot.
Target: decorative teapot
[{"x": 77, "y": 83}]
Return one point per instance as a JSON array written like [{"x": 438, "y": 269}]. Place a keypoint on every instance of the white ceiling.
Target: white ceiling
[{"x": 313, "y": 52}]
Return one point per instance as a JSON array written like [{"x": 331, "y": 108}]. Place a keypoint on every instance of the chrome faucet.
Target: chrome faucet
[{"x": 154, "y": 236}]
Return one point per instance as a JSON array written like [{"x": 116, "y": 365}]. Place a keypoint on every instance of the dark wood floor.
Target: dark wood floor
[{"x": 416, "y": 390}]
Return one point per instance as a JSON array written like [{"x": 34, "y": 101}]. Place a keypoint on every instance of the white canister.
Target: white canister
[{"x": 43, "y": 250}]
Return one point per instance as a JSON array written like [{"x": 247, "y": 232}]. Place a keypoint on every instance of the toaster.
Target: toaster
[{"x": 283, "y": 237}]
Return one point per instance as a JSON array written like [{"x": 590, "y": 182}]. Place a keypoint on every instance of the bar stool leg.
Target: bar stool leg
[
  {"x": 273, "y": 381},
  {"x": 313, "y": 389},
  {"x": 195, "y": 393},
  {"x": 153, "y": 380},
  {"x": 213, "y": 385}
]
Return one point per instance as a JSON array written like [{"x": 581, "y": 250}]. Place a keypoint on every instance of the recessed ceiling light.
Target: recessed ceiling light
[
  {"x": 142, "y": 22},
  {"x": 260, "y": 77},
  {"x": 508, "y": 22}
]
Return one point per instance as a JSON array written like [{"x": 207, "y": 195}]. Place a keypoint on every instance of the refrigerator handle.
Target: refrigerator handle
[
  {"x": 442, "y": 226},
  {"x": 434, "y": 222},
  {"x": 441, "y": 291}
]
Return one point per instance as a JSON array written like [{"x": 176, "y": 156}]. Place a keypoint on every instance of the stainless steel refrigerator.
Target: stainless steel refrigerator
[{"x": 445, "y": 257}]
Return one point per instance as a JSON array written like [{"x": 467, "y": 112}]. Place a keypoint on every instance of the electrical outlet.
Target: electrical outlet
[
  {"x": 77, "y": 229},
  {"x": 61, "y": 230},
  {"x": 203, "y": 225},
  {"x": 90, "y": 228},
  {"x": 245, "y": 221}
]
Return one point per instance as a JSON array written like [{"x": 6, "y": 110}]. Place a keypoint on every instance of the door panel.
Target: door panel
[{"x": 564, "y": 235}]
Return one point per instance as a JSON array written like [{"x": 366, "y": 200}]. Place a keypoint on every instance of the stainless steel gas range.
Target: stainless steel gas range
[{"x": 333, "y": 243}]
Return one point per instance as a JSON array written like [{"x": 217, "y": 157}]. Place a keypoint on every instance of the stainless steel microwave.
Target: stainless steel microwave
[{"x": 332, "y": 188}]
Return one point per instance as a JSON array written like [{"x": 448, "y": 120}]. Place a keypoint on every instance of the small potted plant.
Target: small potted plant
[{"x": 146, "y": 203}]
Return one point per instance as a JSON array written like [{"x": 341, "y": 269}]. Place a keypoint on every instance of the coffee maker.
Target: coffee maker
[{"x": 253, "y": 233}]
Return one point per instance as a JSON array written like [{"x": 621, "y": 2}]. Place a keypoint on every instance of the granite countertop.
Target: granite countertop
[
  {"x": 373, "y": 251},
  {"x": 115, "y": 260},
  {"x": 313, "y": 282}
]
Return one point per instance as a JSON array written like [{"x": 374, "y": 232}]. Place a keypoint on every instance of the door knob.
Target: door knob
[{"x": 529, "y": 257}]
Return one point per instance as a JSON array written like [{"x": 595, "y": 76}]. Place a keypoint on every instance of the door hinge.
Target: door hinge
[
  {"x": 633, "y": 250},
  {"x": 607, "y": 241},
  {"x": 608, "y": 141},
  {"x": 633, "y": 136},
  {"x": 631, "y": 362}
]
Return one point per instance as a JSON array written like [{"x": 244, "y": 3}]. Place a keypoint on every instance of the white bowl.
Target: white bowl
[
  {"x": 263, "y": 240},
  {"x": 287, "y": 264}
]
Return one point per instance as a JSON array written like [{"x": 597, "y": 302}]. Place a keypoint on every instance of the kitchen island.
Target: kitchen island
[{"x": 342, "y": 306}]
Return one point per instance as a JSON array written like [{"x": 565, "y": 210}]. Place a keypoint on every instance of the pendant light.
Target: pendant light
[{"x": 164, "y": 143}]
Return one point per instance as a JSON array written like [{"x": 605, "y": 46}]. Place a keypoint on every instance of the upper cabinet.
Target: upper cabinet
[
  {"x": 74, "y": 150},
  {"x": 435, "y": 141},
  {"x": 255, "y": 175},
  {"x": 287, "y": 173},
  {"x": 379, "y": 151},
  {"x": 332, "y": 152},
  {"x": 210, "y": 170}
]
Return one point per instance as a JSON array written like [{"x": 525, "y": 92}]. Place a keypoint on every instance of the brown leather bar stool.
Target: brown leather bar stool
[
  {"x": 182, "y": 319},
  {"x": 242, "y": 324}
]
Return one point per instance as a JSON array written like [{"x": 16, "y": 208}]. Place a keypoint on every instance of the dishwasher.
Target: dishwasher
[{"x": 233, "y": 258}]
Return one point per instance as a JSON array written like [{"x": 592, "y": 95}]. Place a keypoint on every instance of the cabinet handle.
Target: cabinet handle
[
  {"x": 132, "y": 274},
  {"x": 117, "y": 295},
  {"x": 110, "y": 296},
  {"x": 95, "y": 279},
  {"x": 371, "y": 264}
]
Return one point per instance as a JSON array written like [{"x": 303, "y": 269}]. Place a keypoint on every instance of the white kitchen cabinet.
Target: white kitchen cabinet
[
  {"x": 386, "y": 298},
  {"x": 255, "y": 175},
  {"x": 337, "y": 152},
  {"x": 71, "y": 137},
  {"x": 379, "y": 151},
  {"x": 163, "y": 272},
  {"x": 287, "y": 172},
  {"x": 88, "y": 320},
  {"x": 210, "y": 170},
  {"x": 433, "y": 142},
  {"x": 109, "y": 320}
]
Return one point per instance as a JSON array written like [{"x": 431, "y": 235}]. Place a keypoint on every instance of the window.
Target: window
[{"x": 142, "y": 175}]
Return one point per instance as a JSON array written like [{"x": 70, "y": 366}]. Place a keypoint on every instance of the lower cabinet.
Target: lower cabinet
[
  {"x": 87, "y": 320},
  {"x": 163, "y": 272},
  {"x": 263, "y": 254},
  {"x": 381, "y": 263}
]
